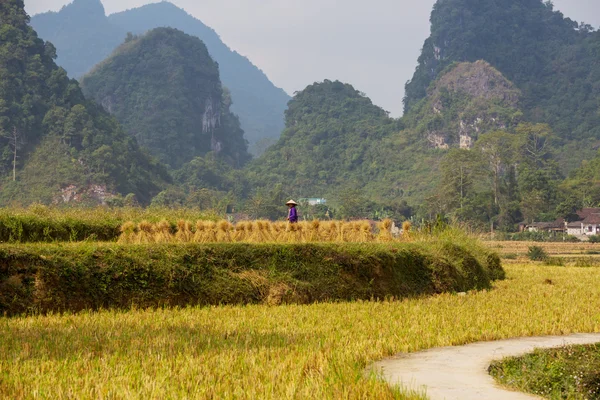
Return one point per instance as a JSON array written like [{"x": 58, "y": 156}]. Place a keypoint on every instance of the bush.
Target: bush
[
  {"x": 537, "y": 237},
  {"x": 74, "y": 277},
  {"x": 561, "y": 373},
  {"x": 510, "y": 256},
  {"x": 537, "y": 253},
  {"x": 594, "y": 239}
]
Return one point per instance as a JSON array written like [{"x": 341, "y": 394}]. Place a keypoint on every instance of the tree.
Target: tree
[
  {"x": 498, "y": 150},
  {"x": 534, "y": 143},
  {"x": 460, "y": 169},
  {"x": 15, "y": 142}
]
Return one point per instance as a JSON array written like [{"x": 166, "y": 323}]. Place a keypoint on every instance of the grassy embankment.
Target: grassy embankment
[
  {"x": 571, "y": 372},
  {"x": 74, "y": 277},
  {"x": 290, "y": 351}
]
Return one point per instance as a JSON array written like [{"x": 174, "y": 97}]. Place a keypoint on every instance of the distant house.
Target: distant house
[
  {"x": 313, "y": 201},
  {"x": 587, "y": 224},
  {"x": 557, "y": 226},
  {"x": 574, "y": 228},
  {"x": 591, "y": 225}
]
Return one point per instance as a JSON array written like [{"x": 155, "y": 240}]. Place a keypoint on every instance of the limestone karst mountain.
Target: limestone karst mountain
[
  {"x": 84, "y": 36},
  {"x": 57, "y": 146},
  {"x": 166, "y": 91}
]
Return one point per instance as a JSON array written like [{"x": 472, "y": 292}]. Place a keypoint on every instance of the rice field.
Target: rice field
[
  {"x": 315, "y": 351},
  {"x": 553, "y": 249}
]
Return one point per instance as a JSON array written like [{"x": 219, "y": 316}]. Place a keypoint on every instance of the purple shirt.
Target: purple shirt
[{"x": 293, "y": 215}]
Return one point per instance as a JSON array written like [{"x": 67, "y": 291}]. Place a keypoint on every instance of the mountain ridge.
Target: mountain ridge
[{"x": 256, "y": 100}]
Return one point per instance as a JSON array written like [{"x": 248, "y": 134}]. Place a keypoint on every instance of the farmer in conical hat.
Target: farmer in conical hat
[{"x": 293, "y": 213}]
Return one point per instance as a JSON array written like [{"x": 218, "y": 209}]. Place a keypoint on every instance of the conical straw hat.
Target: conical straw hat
[{"x": 291, "y": 202}]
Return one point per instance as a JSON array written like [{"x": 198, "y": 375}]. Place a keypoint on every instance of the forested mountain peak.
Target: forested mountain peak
[
  {"x": 56, "y": 146},
  {"x": 89, "y": 8},
  {"x": 550, "y": 58},
  {"x": 331, "y": 132},
  {"x": 165, "y": 89},
  {"x": 84, "y": 36},
  {"x": 330, "y": 99}
]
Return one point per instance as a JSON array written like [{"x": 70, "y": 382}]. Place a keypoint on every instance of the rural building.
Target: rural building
[
  {"x": 587, "y": 224},
  {"x": 313, "y": 201},
  {"x": 574, "y": 229}
]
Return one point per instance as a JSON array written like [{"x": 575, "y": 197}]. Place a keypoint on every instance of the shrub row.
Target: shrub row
[
  {"x": 536, "y": 237},
  {"x": 74, "y": 277}
]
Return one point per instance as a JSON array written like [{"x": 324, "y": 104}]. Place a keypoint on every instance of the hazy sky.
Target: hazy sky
[{"x": 373, "y": 44}]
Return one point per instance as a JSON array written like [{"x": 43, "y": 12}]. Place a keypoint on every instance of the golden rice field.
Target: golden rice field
[
  {"x": 315, "y": 351},
  {"x": 257, "y": 232}
]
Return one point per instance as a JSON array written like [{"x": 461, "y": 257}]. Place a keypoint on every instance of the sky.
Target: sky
[{"x": 373, "y": 45}]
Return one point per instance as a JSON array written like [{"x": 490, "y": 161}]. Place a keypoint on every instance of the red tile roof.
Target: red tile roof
[{"x": 592, "y": 219}]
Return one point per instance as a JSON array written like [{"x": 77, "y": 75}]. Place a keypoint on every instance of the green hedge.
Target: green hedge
[{"x": 74, "y": 277}]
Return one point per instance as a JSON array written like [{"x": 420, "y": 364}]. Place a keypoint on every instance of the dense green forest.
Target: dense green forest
[
  {"x": 164, "y": 88},
  {"x": 257, "y": 102},
  {"x": 51, "y": 137}
]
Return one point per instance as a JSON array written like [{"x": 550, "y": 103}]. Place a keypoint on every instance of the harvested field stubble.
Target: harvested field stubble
[{"x": 317, "y": 351}]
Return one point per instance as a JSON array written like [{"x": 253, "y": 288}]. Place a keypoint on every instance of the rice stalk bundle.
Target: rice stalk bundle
[
  {"x": 406, "y": 229},
  {"x": 239, "y": 232},
  {"x": 313, "y": 231},
  {"x": 200, "y": 236},
  {"x": 224, "y": 232},
  {"x": 301, "y": 231},
  {"x": 145, "y": 233},
  {"x": 366, "y": 235},
  {"x": 334, "y": 235},
  {"x": 210, "y": 228},
  {"x": 251, "y": 232},
  {"x": 385, "y": 231},
  {"x": 274, "y": 232},
  {"x": 263, "y": 233},
  {"x": 184, "y": 232},
  {"x": 162, "y": 232},
  {"x": 355, "y": 235},
  {"x": 128, "y": 233},
  {"x": 346, "y": 232}
]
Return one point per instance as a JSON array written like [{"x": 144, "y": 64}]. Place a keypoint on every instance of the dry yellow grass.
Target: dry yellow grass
[
  {"x": 287, "y": 352},
  {"x": 257, "y": 232}
]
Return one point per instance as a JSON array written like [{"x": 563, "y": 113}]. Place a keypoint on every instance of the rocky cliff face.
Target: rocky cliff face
[{"x": 469, "y": 99}]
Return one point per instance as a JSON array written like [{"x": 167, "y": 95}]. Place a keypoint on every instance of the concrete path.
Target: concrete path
[{"x": 462, "y": 372}]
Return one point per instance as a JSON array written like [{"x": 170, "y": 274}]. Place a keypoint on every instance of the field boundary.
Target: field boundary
[{"x": 75, "y": 277}]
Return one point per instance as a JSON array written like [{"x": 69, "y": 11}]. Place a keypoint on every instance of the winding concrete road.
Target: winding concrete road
[{"x": 462, "y": 372}]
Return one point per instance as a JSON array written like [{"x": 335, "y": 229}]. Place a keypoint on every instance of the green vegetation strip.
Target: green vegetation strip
[
  {"x": 74, "y": 277},
  {"x": 39, "y": 223},
  {"x": 571, "y": 372}
]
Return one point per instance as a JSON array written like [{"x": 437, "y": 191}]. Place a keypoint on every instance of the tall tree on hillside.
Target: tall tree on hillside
[
  {"x": 15, "y": 142},
  {"x": 498, "y": 151},
  {"x": 460, "y": 170},
  {"x": 538, "y": 172}
]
